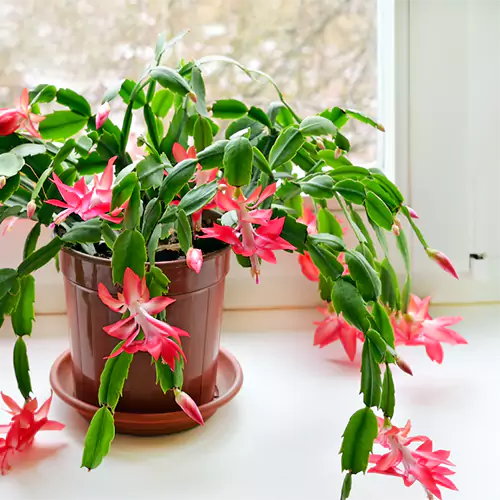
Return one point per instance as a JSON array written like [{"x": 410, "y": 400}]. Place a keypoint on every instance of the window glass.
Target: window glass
[{"x": 320, "y": 52}]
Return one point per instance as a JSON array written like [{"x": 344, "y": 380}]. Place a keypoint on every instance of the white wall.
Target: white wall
[{"x": 450, "y": 137}]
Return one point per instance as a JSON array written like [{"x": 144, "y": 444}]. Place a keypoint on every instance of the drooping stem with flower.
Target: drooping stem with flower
[{"x": 257, "y": 180}]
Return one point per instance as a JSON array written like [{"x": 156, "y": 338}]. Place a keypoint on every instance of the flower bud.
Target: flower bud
[
  {"x": 403, "y": 365},
  {"x": 338, "y": 153},
  {"x": 194, "y": 259},
  {"x": 3, "y": 181},
  {"x": 320, "y": 144},
  {"x": 412, "y": 213},
  {"x": 193, "y": 96},
  {"x": 102, "y": 115},
  {"x": 380, "y": 127},
  {"x": 188, "y": 406},
  {"x": 30, "y": 208},
  {"x": 395, "y": 229},
  {"x": 442, "y": 261}
]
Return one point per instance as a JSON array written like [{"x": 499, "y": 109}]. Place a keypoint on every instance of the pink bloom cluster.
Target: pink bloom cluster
[
  {"x": 20, "y": 117},
  {"x": 417, "y": 327},
  {"x": 160, "y": 338},
  {"x": 334, "y": 327},
  {"x": 23, "y": 427},
  {"x": 423, "y": 464},
  {"x": 414, "y": 328},
  {"x": 88, "y": 202},
  {"x": 245, "y": 240}
]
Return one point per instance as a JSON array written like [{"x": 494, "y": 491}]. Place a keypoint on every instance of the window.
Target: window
[{"x": 322, "y": 53}]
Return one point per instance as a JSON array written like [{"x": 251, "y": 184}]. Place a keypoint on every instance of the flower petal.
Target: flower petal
[
  {"x": 131, "y": 286},
  {"x": 114, "y": 304},
  {"x": 11, "y": 404},
  {"x": 156, "y": 304},
  {"x": 179, "y": 153}
]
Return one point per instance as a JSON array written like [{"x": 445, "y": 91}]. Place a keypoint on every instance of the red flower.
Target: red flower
[
  {"x": 160, "y": 338},
  {"x": 417, "y": 327},
  {"x": 88, "y": 202},
  {"x": 23, "y": 427},
  {"x": 188, "y": 406},
  {"x": 13, "y": 119},
  {"x": 247, "y": 241},
  {"x": 254, "y": 243},
  {"x": 201, "y": 176},
  {"x": 309, "y": 219},
  {"x": 227, "y": 199},
  {"x": 334, "y": 327},
  {"x": 308, "y": 268},
  {"x": 425, "y": 465}
]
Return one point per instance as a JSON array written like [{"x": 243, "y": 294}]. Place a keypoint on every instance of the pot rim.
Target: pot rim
[{"x": 104, "y": 261}]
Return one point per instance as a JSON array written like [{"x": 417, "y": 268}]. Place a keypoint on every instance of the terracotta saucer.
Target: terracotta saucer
[{"x": 229, "y": 381}]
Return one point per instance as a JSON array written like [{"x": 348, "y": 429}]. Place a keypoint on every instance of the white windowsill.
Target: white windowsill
[{"x": 279, "y": 438}]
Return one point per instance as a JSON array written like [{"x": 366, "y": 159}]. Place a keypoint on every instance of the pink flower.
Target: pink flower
[
  {"x": 160, "y": 338},
  {"x": 3, "y": 181},
  {"x": 102, "y": 115},
  {"x": 202, "y": 176},
  {"x": 88, "y": 202},
  {"x": 13, "y": 119},
  {"x": 308, "y": 268},
  {"x": 309, "y": 219},
  {"x": 23, "y": 427},
  {"x": 334, "y": 327},
  {"x": 341, "y": 259},
  {"x": 423, "y": 464},
  {"x": 442, "y": 261},
  {"x": 230, "y": 198},
  {"x": 417, "y": 327},
  {"x": 8, "y": 227},
  {"x": 194, "y": 259},
  {"x": 254, "y": 243},
  {"x": 30, "y": 209},
  {"x": 188, "y": 406}
]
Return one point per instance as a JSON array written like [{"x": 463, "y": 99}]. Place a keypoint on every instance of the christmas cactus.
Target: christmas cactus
[{"x": 272, "y": 179}]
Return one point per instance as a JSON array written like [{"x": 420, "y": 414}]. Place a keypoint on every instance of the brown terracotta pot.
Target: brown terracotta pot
[{"x": 197, "y": 309}]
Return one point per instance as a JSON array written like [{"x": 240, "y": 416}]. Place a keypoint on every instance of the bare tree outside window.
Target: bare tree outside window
[{"x": 318, "y": 51}]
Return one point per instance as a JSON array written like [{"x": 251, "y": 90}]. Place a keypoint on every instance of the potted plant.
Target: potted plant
[{"x": 143, "y": 244}]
